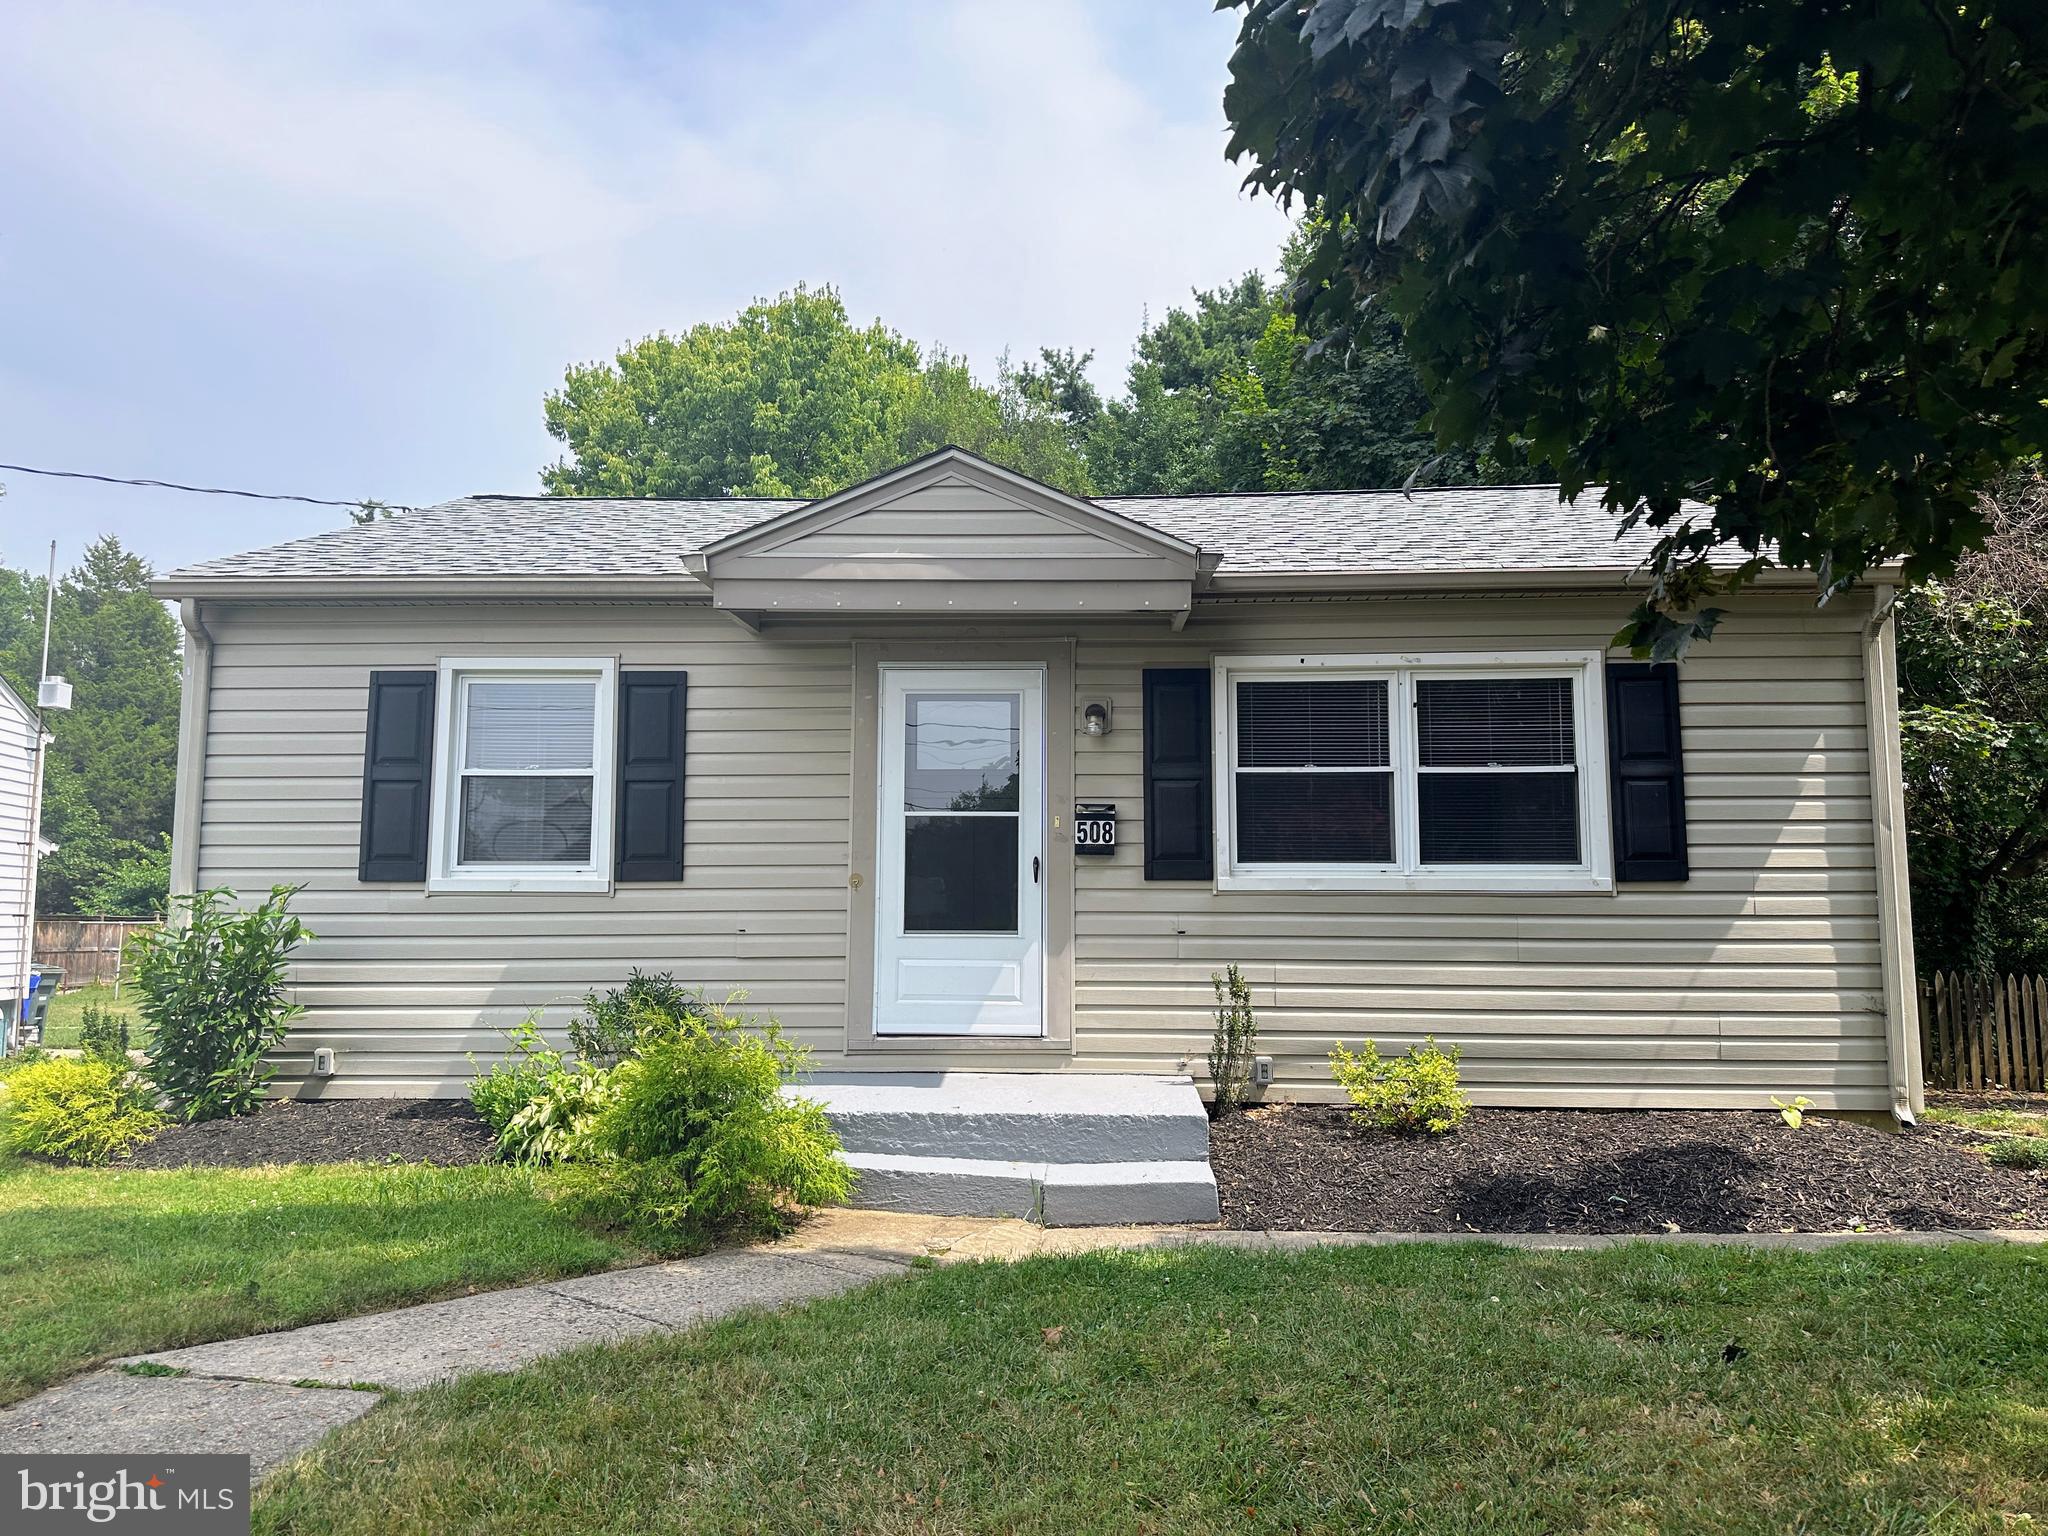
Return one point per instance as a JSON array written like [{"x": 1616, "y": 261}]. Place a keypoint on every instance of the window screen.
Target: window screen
[
  {"x": 1496, "y": 770},
  {"x": 1313, "y": 780}
]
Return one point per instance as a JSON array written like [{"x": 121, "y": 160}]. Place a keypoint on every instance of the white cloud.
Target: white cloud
[{"x": 422, "y": 212}]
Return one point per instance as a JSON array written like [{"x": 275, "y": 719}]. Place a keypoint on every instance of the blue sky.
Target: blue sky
[{"x": 345, "y": 250}]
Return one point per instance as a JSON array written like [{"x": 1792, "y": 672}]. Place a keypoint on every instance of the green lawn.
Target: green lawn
[
  {"x": 1423, "y": 1388},
  {"x": 2006, "y": 1122},
  {"x": 60, "y": 1028},
  {"x": 96, "y": 1262}
]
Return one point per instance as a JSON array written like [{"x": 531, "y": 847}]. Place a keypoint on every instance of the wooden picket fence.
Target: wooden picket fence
[
  {"x": 1984, "y": 1031},
  {"x": 88, "y": 948}
]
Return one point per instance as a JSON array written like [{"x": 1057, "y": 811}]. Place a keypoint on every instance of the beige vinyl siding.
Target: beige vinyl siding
[
  {"x": 402, "y": 984},
  {"x": 1759, "y": 975}
]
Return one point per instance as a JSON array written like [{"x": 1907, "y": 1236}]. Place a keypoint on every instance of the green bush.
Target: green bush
[
  {"x": 554, "y": 1124},
  {"x": 76, "y": 1110},
  {"x": 2019, "y": 1152},
  {"x": 212, "y": 988},
  {"x": 1416, "y": 1092},
  {"x": 515, "y": 1080},
  {"x": 610, "y": 1028},
  {"x": 695, "y": 1140},
  {"x": 103, "y": 1033}
]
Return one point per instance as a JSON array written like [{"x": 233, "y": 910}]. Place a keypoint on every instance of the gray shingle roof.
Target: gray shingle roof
[{"x": 1447, "y": 530}]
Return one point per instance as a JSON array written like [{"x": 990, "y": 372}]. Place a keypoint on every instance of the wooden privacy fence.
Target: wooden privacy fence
[
  {"x": 1984, "y": 1031},
  {"x": 88, "y": 948}
]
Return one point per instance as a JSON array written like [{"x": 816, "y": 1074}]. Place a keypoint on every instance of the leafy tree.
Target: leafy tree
[
  {"x": 1790, "y": 260},
  {"x": 1230, "y": 395},
  {"x": 110, "y": 774},
  {"x": 1973, "y": 671},
  {"x": 944, "y": 406},
  {"x": 1164, "y": 435},
  {"x": 788, "y": 399}
]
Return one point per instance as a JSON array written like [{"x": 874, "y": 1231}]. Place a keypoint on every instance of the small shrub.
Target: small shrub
[
  {"x": 1794, "y": 1113},
  {"x": 515, "y": 1080},
  {"x": 212, "y": 988},
  {"x": 554, "y": 1124},
  {"x": 76, "y": 1110},
  {"x": 2019, "y": 1152},
  {"x": 612, "y": 1024},
  {"x": 695, "y": 1139},
  {"x": 103, "y": 1034},
  {"x": 1234, "y": 1041},
  {"x": 1416, "y": 1092}
]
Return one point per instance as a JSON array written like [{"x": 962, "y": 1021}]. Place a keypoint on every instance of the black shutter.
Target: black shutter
[
  {"x": 650, "y": 811},
  {"x": 398, "y": 768},
  {"x": 1178, "y": 768},
  {"x": 1645, "y": 763}
]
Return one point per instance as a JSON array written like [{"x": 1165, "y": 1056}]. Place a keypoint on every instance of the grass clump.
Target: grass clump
[
  {"x": 2006, "y": 1122},
  {"x": 2019, "y": 1152}
]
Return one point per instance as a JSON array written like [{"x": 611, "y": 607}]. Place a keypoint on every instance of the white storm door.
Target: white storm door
[{"x": 959, "y": 895}]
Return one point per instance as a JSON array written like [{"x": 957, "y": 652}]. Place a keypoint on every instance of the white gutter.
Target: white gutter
[
  {"x": 1894, "y": 888},
  {"x": 193, "y": 705},
  {"x": 437, "y": 588}
]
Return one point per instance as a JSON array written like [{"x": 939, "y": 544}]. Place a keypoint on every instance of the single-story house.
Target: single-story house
[{"x": 956, "y": 771}]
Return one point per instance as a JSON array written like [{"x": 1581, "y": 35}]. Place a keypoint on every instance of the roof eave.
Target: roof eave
[
  {"x": 534, "y": 588},
  {"x": 1227, "y": 582}
]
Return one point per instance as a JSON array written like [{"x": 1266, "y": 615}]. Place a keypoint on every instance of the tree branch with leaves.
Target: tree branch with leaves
[{"x": 1774, "y": 276}]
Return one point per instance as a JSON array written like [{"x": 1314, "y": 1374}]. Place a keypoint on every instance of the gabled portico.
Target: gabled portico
[{"x": 950, "y": 534}]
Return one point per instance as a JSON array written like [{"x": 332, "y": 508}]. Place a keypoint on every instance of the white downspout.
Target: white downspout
[
  {"x": 1894, "y": 888},
  {"x": 192, "y": 723}
]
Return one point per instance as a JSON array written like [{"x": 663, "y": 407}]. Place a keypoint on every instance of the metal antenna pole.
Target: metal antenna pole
[{"x": 49, "y": 607}]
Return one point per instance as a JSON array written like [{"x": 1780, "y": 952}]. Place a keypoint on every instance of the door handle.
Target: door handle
[{"x": 1034, "y": 869}]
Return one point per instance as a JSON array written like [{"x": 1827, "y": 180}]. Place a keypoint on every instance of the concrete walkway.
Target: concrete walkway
[{"x": 272, "y": 1395}]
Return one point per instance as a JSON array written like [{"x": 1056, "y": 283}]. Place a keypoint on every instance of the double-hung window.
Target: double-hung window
[
  {"x": 1411, "y": 772},
  {"x": 523, "y": 795}
]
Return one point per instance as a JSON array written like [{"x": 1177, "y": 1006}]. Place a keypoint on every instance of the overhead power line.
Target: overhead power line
[{"x": 203, "y": 490}]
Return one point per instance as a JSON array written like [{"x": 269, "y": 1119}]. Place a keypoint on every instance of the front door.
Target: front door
[{"x": 959, "y": 905}]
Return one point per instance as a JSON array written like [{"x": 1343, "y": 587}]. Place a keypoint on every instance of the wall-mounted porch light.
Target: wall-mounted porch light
[{"x": 1095, "y": 719}]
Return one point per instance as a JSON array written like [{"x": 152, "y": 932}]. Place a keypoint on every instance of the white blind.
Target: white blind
[
  {"x": 1503, "y": 722},
  {"x": 1328, "y": 723},
  {"x": 526, "y": 724}
]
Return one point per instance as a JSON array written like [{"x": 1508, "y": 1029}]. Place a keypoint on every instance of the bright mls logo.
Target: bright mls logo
[{"x": 165, "y": 1496}]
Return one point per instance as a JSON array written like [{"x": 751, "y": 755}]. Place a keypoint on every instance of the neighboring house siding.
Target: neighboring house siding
[
  {"x": 1759, "y": 975},
  {"x": 17, "y": 838}
]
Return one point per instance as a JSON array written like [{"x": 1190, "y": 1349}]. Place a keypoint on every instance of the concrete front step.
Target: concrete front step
[
  {"x": 1066, "y": 1117},
  {"x": 1056, "y": 1194}
]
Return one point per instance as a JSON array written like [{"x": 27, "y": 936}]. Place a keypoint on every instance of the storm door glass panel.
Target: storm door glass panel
[
  {"x": 529, "y": 754},
  {"x": 962, "y": 763}
]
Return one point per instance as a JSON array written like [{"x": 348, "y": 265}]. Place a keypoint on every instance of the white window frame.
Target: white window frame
[
  {"x": 1583, "y": 668},
  {"x": 445, "y": 871}
]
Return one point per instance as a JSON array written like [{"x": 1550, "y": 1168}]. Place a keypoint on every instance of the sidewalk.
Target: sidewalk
[{"x": 272, "y": 1395}]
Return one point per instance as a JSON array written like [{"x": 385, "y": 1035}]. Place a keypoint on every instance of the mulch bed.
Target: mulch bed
[
  {"x": 1300, "y": 1166},
  {"x": 443, "y": 1131}
]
